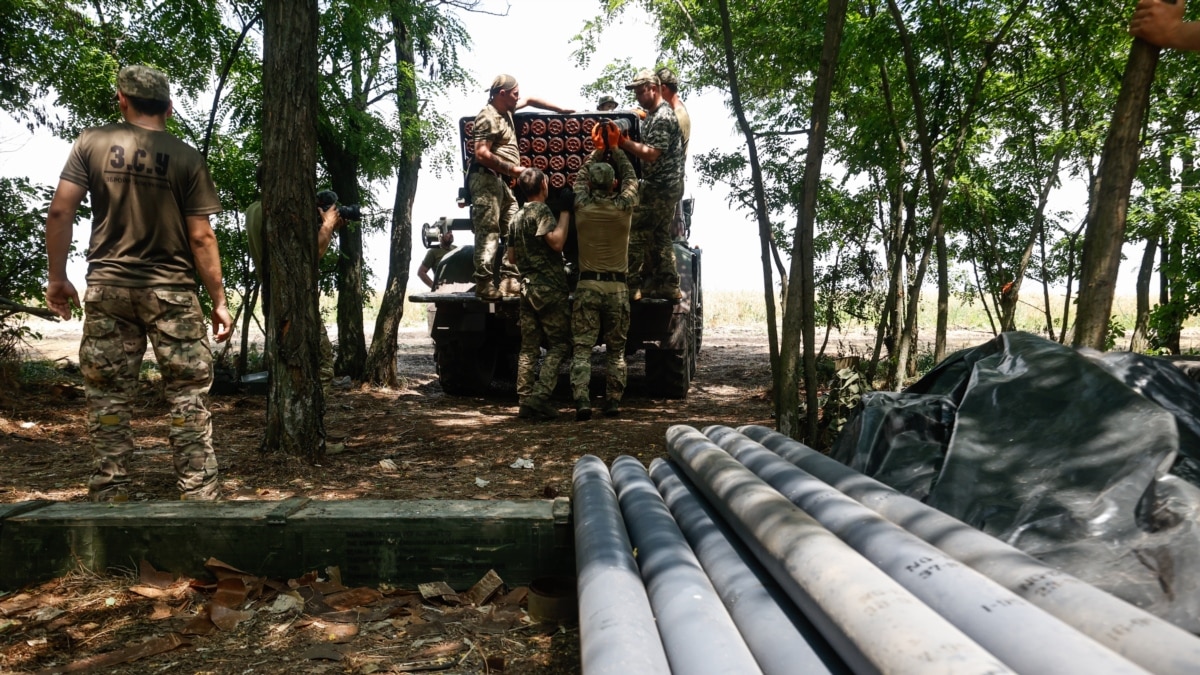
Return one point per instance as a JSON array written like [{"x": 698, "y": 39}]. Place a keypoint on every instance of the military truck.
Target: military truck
[{"x": 476, "y": 341}]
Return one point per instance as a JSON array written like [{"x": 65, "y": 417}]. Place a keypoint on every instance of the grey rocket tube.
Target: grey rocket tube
[
  {"x": 782, "y": 640},
  {"x": 873, "y": 623},
  {"x": 697, "y": 632},
  {"x": 1156, "y": 645},
  {"x": 617, "y": 633},
  {"x": 1017, "y": 632}
]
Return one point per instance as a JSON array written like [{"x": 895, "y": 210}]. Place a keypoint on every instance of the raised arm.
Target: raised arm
[{"x": 542, "y": 104}]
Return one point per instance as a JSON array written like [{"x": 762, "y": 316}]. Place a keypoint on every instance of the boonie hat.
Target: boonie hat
[
  {"x": 605, "y": 99},
  {"x": 143, "y": 82},
  {"x": 644, "y": 76},
  {"x": 601, "y": 175}
]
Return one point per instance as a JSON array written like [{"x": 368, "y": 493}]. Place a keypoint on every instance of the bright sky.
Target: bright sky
[
  {"x": 533, "y": 42},
  {"x": 536, "y": 32}
]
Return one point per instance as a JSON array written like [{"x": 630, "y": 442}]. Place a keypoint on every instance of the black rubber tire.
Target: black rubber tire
[
  {"x": 669, "y": 372},
  {"x": 464, "y": 371}
]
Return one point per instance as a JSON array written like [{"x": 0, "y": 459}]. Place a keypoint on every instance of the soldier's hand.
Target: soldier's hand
[
  {"x": 60, "y": 295},
  {"x": 222, "y": 323}
]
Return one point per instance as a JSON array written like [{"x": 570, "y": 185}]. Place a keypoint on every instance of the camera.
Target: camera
[{"x": 328, "y": 198}]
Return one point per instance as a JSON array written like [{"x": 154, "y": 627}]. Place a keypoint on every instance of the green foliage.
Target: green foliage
[{"x": 23, "y": 263}]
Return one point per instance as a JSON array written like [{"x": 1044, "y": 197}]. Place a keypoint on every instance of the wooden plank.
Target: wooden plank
[{"x": 371, "y": 541}]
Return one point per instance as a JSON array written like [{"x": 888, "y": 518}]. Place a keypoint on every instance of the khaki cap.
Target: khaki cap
[
  {"x": 601, "y": 175},
  {"x": 143, "y": 82},
  {"x": 644, "y": 76},
  {"x": 667, "y": 76}
]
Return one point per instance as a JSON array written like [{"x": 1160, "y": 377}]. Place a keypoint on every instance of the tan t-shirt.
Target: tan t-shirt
[
  {"x": 602, "y": 221},
  {"x": 143, "y": 185},
  {"x": 498, "y": 132},
  {"x": 685, "y": 125}
]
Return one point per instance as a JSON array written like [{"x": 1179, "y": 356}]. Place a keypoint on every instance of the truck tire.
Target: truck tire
[
  {"x": 463, "y": 370},
  {"x": 669, "y": 371}
]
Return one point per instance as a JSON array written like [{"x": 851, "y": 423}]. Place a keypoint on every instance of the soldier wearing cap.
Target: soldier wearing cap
[
  {"x": 151, "y": 197},
  {"x": 603, "y": 215},
  {"x": 495, "y": 161},
  {"x": 670, "y": 94},
  {"x": 606, "y": 103},
  {"x": 651, "y": 252},
  {"x": 536, "y": 242}
]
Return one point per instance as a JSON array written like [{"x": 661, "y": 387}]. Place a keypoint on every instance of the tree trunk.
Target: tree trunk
[
  {"x": 801, "y": 300},
  {"x": 1137, "y": 343},
  {"x": 381, "y": 360},
  {"x": 943, "y": 299},
  {"x": 295, "y": 404},
  {"x": 1106, "y": 230},
  {"x": 760, "y": 199}
]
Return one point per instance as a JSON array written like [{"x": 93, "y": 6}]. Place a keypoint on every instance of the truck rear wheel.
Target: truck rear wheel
[
  {"x": 464, "y": 370},
  {"x": 669, "y": 371}
]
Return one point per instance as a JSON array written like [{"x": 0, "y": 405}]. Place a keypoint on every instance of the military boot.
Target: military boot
[
  {"x": 583, "y": 410},
  {"x": 484, "y": 290},
  {"x": 612, "y": 407},
  {"x": 510, "y": 286}
]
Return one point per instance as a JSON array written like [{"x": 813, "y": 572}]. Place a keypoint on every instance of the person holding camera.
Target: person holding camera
[
  {"x": 603, "y": 214},
  {"x": 331, "y": 219},
  {"x": 535, "y": 245},
  {"x": 651, "y": 250},
  {"x": 151, "y": 197},
  {"x": 434, "y": 255},
  {"x": 495, "y": 160}
]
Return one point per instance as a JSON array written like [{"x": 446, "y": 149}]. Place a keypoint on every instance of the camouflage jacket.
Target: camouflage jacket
[
  {"x": 660, "y": 130},
  {"x": 539, "y": 264}
]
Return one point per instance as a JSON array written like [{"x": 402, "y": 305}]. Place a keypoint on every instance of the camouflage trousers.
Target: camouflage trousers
[
  {"x": 492, "y": 209},
  {"x": 117, "y": 322},
  {"x": 325, "y": 365},
  {"x": 545, "y": 317},
  {"x": 600, "y": 312},
  {"x": 651, "y": 250}
]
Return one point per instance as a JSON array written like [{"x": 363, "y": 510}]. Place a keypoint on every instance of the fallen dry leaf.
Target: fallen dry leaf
[{"x": 127, "y": 655}]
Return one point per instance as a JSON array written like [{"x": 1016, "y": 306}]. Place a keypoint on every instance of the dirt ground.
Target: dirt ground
[{"x": 410, "y": 443}]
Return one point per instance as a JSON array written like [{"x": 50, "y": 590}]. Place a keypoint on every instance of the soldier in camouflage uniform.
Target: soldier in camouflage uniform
[
  {"x": 601, "y": 306},
  {"x": 535, "y": 243},
  {"x": 496, "y": 159},
  {"x": 151, "y": 198},
  {"x": 651, "y": 251}
]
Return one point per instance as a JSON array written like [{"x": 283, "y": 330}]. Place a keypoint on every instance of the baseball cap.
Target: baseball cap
[
  {"x": 644, "y": 76},
  {"x": 601, "y": 175},
  {"x": 667, "y": 76},
  {"x": 144, "y": 82}
]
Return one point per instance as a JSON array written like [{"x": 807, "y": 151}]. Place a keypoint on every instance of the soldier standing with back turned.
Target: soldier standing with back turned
[
  {"x": 151, "y": 200},
  {"x": 535, "y": 244},
  {"x": 603, "y": 213}
]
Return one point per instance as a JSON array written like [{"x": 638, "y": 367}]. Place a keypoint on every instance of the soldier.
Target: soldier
[
  {"x": 651, "y": 251},
  {"x": 535, "y": 245},
  {"x": 151, "y": 198},
  {"x": 331, "y": 222},
  {"x": 434, "y": 255},
  {"x": 496, "y": 158},
  {"x": 606, "y": 103},
  {"x": 669, "y": 83},
  {"x": 601, "y": 306}
]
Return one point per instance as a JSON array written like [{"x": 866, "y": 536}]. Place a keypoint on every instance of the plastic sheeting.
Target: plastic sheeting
[{"x": 1087, "y": 461}]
